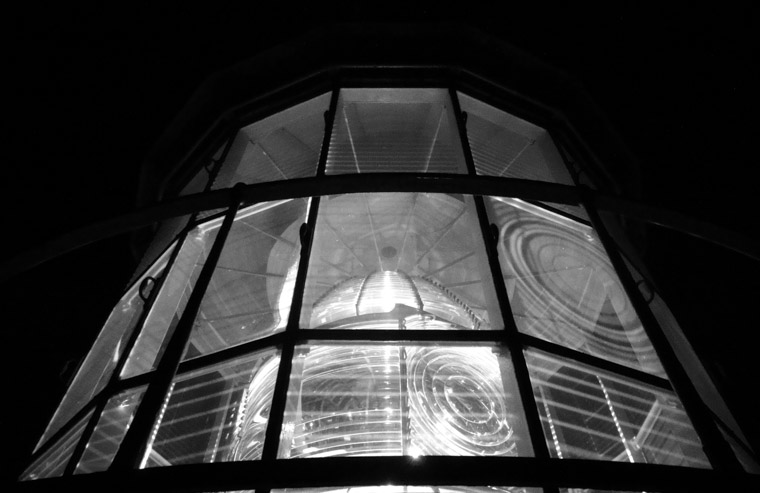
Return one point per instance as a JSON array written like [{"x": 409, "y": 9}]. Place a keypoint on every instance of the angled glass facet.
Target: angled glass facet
[
  {"x": 251, "y": 290},
  {"x": 592, "y": 414},
  {"x": 109, "y": 431},
  {"x": 398, "y": 260},
  {"x": 170, "y": 302},
  {"x": 283, "y": 146},
  {"x": 97, "y": 368},
  {"x": 216, "y": 414},
  {"x": 370, "y": 400},
  {"x": 53, "y": 462},
  {"x": 562, "y": 287},
  {"x": 394, "y": 130},
  {"x": 507, "y": 146}
]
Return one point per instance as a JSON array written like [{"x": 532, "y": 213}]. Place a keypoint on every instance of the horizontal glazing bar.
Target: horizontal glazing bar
[
  {"x": 424, "y": 471},
  {"x": 565, "y": 352}
]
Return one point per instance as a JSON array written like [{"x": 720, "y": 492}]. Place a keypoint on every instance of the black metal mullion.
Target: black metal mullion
[
  {"x": 279, "y": 396},
  {"x": 133, "y": 445},
  {"x": 715, "y": 447},
  {"x": 511, "y": 339}
]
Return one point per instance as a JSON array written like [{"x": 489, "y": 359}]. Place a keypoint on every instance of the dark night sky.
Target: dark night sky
[{"x": 92, "y": 90}]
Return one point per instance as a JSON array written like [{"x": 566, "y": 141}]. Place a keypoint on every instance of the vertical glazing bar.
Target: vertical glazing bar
[
  {"x": 511, "y": 338},
  {"x": 135, "y": 441},
  {"x": 279, "y": 397},
  {"x": 714, "y": 445}
]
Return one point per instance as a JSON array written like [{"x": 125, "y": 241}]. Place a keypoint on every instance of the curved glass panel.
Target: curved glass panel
[
  {"x": 370, "y": 400},
  {"x": 592, "y": 414},
  {"x": 283, "y": 146},
  {"x": 109, "y": 432},
  {"x": 394, "y": 130},
  {"x": 170, "y": 302},
  {"x": 504, "y": 145},
  {"x": 562, "y": 287},
  {"x": 403, "y": 260},
  {"x": 97, "y": 368},
  {"x": 251, "y": 290},
  {"x": 216, "y": 414}
]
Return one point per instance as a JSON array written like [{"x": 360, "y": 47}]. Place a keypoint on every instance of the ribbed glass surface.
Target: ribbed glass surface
[
  {"x": 373, "y": 400},
  {"x": 431, "y": 243},
  {"x": 507, "y": 146},
  {"x": 251, "y": 290},
  {"x": 283, "y": 146},
  {"x": 394, "y": 130},
  {"x": 216, "y": 414},
  {"x": 109, "y": 431},
  {"x": 53, "y": 462},
  {"x": 563, "y": 288},
  {"x": 592, "y": 414},
  {"x": 167, "y": 309},
  {"x": 98, "y": 367}
]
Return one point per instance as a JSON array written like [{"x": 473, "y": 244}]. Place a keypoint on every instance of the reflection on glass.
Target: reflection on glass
[
  {"x": 250, "y": 292},
  {"x": 420, "y": 254},
  {"x": 412, "y": 489},
  {"x": 53, "y": 462},
  {"x": 216, "y": 414},
  {"x": 97, "y": 368},
  {"x": 373, "y": 400},
  {"x": 562, "y": 287},
  {"x": 170, "y": 302},
  {"x": 110, "y": 430},
  {"x": 591, "y": 414},
  {"x": 394, "y": 130},
  {"x": 504, "y": 145},
  {"x": 283, "y": 146}
]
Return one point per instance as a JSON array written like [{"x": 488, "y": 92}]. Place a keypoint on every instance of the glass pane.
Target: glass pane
[
  {"x": 283, "y": 146},
  {"x": 53, "y": 462},
  {"x": 399, "y": 260},
  {"x": 97, "y": 368},
  {"x": 394, "y": 130},
  {"x": 216, "y": 414},
  {"x": 412, "y": 489},
  {"x": 110, "y": 430},
  {"x": 348, "y": 400},
  {"x": 504, "y": 145},
  {"x": 591, "y": 414},
  {"x": 250, "y": 292},
  {"x": 562, "y": 287},
  {"x": 170, "y": 302}
]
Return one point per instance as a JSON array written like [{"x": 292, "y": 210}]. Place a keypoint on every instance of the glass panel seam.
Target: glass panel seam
[{"x": 279, "y": 396}]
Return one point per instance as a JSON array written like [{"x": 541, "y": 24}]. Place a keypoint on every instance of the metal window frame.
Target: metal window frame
[{"x": 537, "y": 471}]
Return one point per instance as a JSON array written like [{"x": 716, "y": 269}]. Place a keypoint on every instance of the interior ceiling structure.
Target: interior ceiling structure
[{"x": 93, "y": 90}]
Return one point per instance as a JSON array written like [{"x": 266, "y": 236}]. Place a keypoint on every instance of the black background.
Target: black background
[{"x": 92, "y": 89}]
